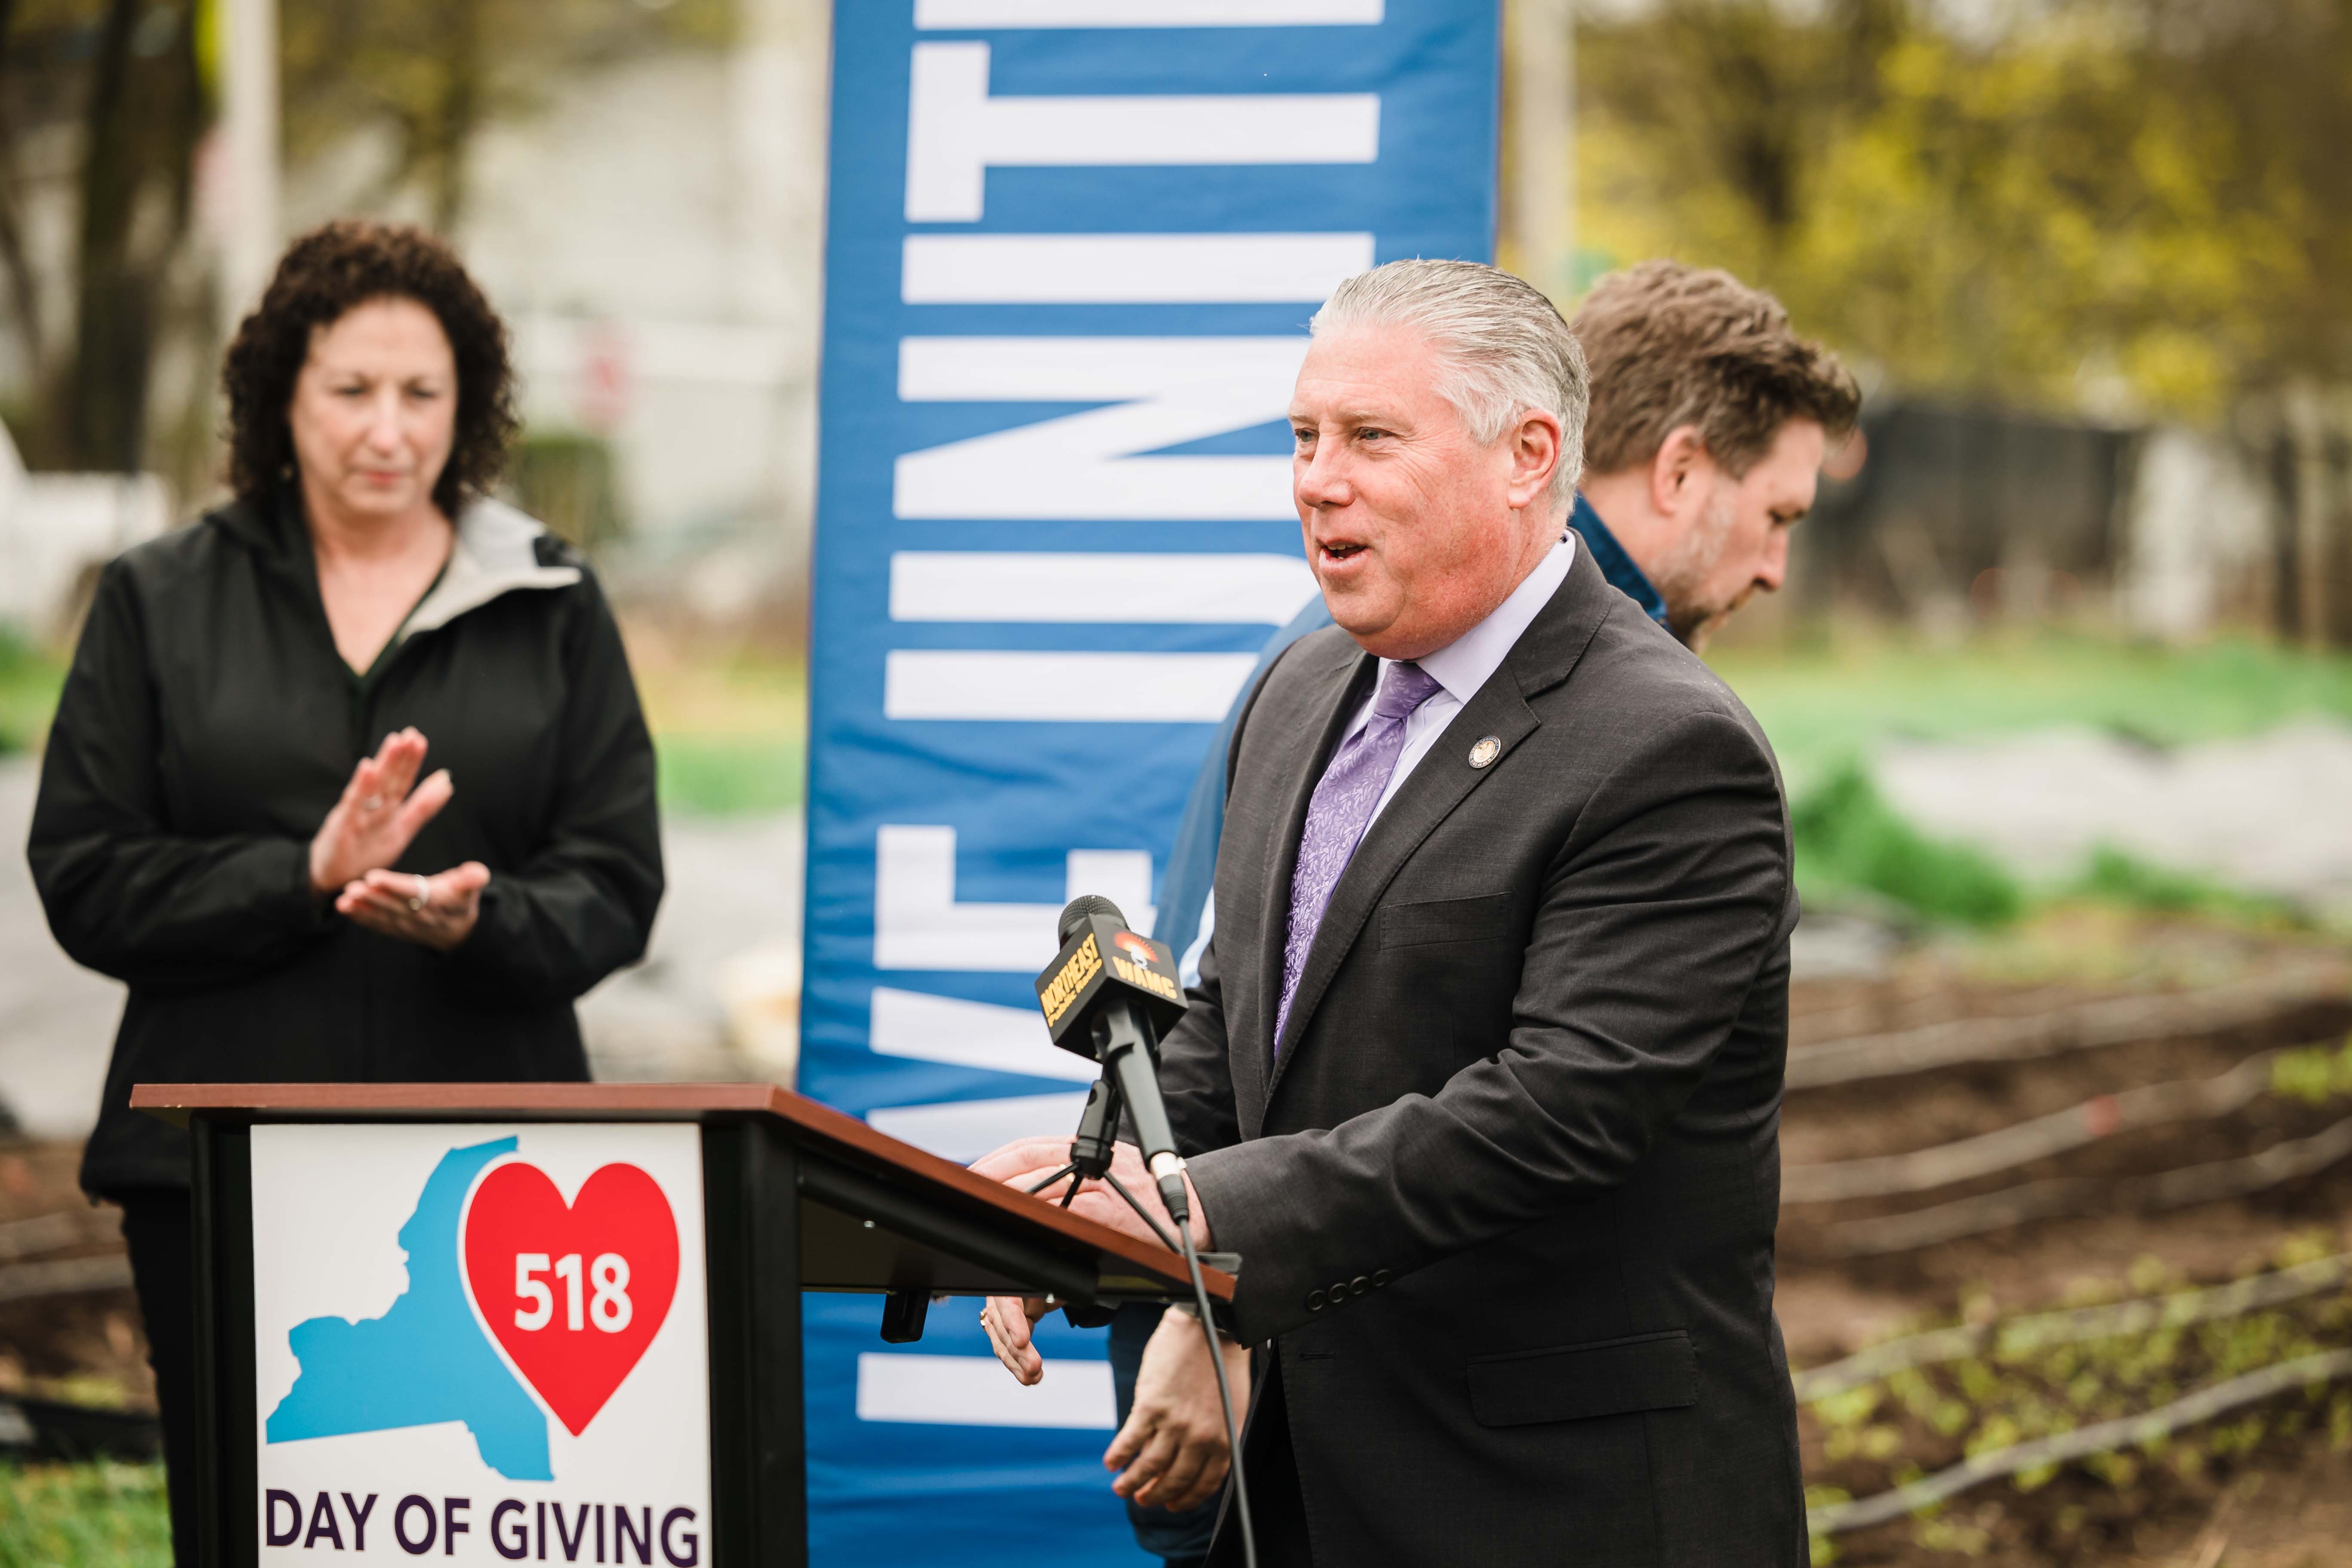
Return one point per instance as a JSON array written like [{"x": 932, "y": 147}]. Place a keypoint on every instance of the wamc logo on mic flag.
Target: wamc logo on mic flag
[
  {"x": 483, "y": 1343},
  {"x": 1071, "y": 249}
]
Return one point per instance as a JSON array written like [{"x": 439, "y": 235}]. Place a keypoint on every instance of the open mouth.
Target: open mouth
[{"x": 1342, "y": 551}]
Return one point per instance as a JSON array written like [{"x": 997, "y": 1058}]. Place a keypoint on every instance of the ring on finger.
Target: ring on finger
[
  {"x": 372, "y": 803},
  {"x": 424, "y": 895}
]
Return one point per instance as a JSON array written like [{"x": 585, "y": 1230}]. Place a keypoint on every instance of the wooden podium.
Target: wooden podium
[{"x": 795, "y": 1196}]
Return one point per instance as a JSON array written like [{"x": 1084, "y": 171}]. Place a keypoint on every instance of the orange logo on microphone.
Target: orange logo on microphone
[{"x": 1135, "y": 947}]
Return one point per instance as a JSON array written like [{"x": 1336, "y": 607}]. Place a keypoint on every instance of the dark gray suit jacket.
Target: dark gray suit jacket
[{"x": 1506, "y": 1197}]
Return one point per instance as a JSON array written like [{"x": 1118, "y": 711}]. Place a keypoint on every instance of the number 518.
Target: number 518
[{"x": 608, "y": 1305}]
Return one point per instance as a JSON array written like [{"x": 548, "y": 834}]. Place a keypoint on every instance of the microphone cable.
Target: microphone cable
[
  {"x": 1123, "y": 1035},
  {"x": 1225, "y": 1387}
]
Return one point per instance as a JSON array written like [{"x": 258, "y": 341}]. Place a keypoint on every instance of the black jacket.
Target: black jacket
[
  {"x": 207, "y": 727},
  {"x": 1506, "y": 1200}
]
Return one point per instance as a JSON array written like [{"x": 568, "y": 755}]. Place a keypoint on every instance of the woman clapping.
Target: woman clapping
[{"x": 237, "y": 815}]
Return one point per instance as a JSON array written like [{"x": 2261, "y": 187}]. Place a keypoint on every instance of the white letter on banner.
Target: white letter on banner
[
  {"x": 1022, "y": 687},
  {"x": 975, "y": 15},
  {"x": 1044, "y": 587},
  {"x": 1128, "y": 269},
  {"x": 964, "y": 1129},
  {"x": 972, "y": 1390},
  {"x": 979, "y": 1035},
  {"x": 917, "y": 924},
  {"x": 956, "y": 132},
  {"x": 1166, "y": 391}
]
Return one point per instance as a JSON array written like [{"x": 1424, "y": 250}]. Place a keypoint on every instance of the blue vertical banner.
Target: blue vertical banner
[{"x": 1073, "y": 248}]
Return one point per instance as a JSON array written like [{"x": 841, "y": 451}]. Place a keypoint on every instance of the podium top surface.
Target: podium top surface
[{"x": 808, "y": 1124}]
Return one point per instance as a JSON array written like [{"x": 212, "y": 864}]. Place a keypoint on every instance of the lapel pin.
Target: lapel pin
[{"x": 1485, "y": 751}]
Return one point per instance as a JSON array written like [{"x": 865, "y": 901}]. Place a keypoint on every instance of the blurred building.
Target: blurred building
[
  {"x": 57, "y": 530},
  {"x": 1962, "y": 516},
  {"x": 653, "y": 231}
]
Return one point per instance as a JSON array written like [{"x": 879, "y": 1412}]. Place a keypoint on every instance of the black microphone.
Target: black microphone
[{"x": 1107, "y": 994}]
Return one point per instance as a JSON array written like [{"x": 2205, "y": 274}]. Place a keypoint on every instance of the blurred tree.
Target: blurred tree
[
  {"x": 103, "y": 105},
  {"x": 145, "y": 115},
  {"x": 23, "y": 294},
  {"x": 433, "y": 72},
  {"x": 2133, "y": 204},
  {"x": 122, "y": 74}
]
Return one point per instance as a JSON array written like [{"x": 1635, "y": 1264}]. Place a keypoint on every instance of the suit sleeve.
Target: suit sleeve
[
  {"x": 1194, "y": 1079},
  {"x": 584, "y": 904},
  {"x": 124, "y": 894},
  {"x": 1653, "y": 923}
]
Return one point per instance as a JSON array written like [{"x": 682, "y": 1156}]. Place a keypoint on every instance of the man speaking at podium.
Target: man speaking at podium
[{"x": 1482, "y": 1075}]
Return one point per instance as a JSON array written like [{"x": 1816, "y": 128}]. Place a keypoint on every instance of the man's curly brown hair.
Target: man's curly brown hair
[
  {"x": 322, "y": 275},
  {"x": 1670, "y": 345}
]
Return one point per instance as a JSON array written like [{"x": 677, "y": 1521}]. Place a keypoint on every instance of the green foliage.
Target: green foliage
[
  {"x": 1951, "y": 1535},
  {"x": 2314, "y": 1075},
  {"x": 2022, "y": 1390},
  {"x": 2133, "y": 194},
  {"x": 566, "y": 480},
  {"x": 29, "y": 682},
  {"x": 706, "y": 775},
  {"x": 1849, "y": 838},
  {"x": 84, "y": 1516},
  {"x": 2115, "y": 877},
  {"x": 1824, "y": 1548}
]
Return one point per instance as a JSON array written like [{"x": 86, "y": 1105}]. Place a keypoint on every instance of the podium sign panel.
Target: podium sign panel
[
  {"x": 561, "y": 1322},
  {"x": 489, "y": 1342}
]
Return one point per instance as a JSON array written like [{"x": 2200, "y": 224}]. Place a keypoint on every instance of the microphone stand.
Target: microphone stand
[
  {"x": 1126, "y": 1051},
  {"x": 1095, "y": 1143}
]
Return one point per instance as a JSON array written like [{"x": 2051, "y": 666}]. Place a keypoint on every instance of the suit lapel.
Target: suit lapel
[
  {"x": 1338, "y": 690},
  {"x": 1441, "y": 782}
]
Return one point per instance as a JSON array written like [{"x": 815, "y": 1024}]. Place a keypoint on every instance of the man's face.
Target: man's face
[
  {"x": 1739, "y": 539},
  {"x": 1414, "y": 531}
]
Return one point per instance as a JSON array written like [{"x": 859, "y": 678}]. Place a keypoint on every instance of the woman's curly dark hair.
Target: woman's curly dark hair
[{"x": 326, "y": 273}]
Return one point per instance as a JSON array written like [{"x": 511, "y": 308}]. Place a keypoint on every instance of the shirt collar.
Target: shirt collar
[
  {"x": 1464, "y": 665},
  {"x": 1615, "y": 564}
]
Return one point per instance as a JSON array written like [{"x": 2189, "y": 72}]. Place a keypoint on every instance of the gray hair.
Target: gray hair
[{"x": 1503, "y": 347}]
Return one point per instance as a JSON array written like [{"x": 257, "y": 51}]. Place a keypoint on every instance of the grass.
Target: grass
[
  {"x": 69, "y": 1515},
  {"x": 29, "y": 682},
  {"x": 1828, "y": 703},
  {"x": 2115, "y": 877},
  {"x": 731, "y": 727},
  {"x": 1838, "y": 696},
  {"x": 1850, "y": 841},
  {"x": 728, "y": 775}
]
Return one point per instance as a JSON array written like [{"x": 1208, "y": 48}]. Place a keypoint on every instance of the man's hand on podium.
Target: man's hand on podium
[
  {"x": 1172, "y": 1450},
  {"x": 1025, "y": 1161}
]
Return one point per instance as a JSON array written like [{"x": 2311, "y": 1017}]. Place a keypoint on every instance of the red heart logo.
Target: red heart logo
[{"x": 575, "y": 1293}]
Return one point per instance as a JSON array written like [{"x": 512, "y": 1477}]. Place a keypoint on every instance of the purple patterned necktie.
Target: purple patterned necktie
[{"x": 1340, "y": 811}]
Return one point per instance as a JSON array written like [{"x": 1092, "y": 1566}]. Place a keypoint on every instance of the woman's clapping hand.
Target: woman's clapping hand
[
  {"x": 379, "y": 814},
  {"x": 435, "y": 912}
]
